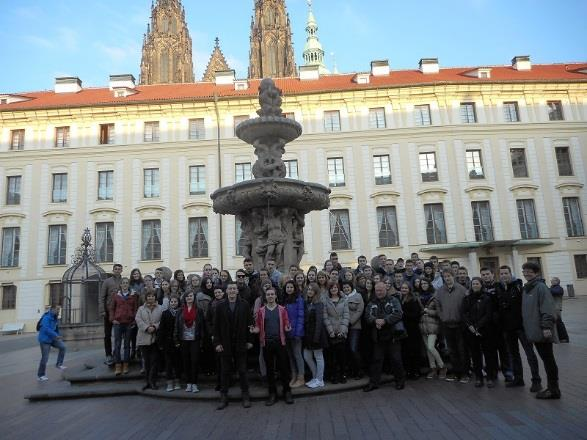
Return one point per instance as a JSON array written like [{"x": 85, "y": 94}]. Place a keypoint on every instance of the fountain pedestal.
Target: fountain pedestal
[{"x": 270, "y": 207}]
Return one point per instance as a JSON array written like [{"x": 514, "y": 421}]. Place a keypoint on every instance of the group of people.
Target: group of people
[{"x": 332, "y": 324}]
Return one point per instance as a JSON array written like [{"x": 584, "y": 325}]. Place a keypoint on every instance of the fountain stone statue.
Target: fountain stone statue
[{"x": 270, "y": 207}]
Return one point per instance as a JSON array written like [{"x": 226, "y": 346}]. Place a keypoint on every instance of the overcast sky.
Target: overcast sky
[{"x": 43, "y": 39}]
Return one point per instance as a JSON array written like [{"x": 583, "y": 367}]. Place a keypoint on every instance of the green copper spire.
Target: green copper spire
[{"x": 313, "y": 52}]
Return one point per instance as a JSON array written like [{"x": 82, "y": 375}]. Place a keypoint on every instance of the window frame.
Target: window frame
[
  {"x": 202, "y": 245},
  {"x": 559, "y": 156},
  {"x": 106, "y": 192},
  {"x": 483, "y": 231},
  {"x": 338, "y": 214},
  {"x": 471, "y": 163},
  {"x": 152, "y": 254},
  {"x": 13, "y": 197},
  {"x": 9, "y": 303},
  {"x": 154, "y": 183},
  {"x": 196, "y": 129},
  {"x": 507, "y": 111},
  {"x": 580, "y": 271},
  {"x": 199, "y": 184},
  {"x": 516, "y": 166},
  {"x": 468, "y": 112},
  {"x": 109, "y": 244},
  {"x": 379, "y": 168},
  {"x": 555, "y": 110},
  {"x": 434, "y": 216},
  {"x": 332, "y": 122},
  {"x": 377, "y": 118},
  {"x": 62, "y": 137},
  {"x": 107, "y": 134},
  {"x": 393, "y": 227},
  {"x": 242, "y": 169},
  {"x": 420, "y": 111},
  {"x": 151, "y": 131},
  {"x": 10, "y": 258},
  {"x": 527, "y": 208},
  {"x": 18, "y": 135},
  {"x": 574, "y": 229},
  {"x": 289, "y": 167},
  {"x": 61, "y": 245},
  {"x": 59, "y": 195},
  {"x": 335, "y": 162},
  {"x": 428, "y": 176}
]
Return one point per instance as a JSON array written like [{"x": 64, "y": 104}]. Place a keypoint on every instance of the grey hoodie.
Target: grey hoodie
[
  {"x": 356, "y": 307},
  {"x": 538, "y": 311}
]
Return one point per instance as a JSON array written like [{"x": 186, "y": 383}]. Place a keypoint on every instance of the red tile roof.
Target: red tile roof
[{"x": 294, "y": 86}]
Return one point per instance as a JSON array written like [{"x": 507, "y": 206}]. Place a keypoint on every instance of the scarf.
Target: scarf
[
  {"x": 173, "y": 311},
  {"x": 189, "y": 316}
]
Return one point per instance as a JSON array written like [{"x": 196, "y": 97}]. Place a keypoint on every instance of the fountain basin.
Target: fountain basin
[
  {"x": 271, "y": 192},
  {"x": 268, "y": 127}
]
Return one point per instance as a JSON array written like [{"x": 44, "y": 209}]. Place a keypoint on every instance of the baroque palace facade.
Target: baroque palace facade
[{"x": 485, "y": 165}]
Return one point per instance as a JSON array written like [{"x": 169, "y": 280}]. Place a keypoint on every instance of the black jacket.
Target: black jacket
[
  {"x": 509, "y": 302},
  {"x": 231, "y": 330},
  {"x": 478, "y": 311},
  {"x": 199, "y": 331},
  {"x": 315, "y": 335},
  {"x": 165, "y": 337},
  {"x": 389, "y": 309}
]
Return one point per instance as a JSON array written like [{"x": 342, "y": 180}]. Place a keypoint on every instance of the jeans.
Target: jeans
[
  {"x": 190, "y": 353},
  {"x": 122, "y": 332},
  {"x": 336, "y": 355},
  {"x": 172, "y": 363},
  {"x": 275, "y": 356},
  {"x": 239, "y": 359},
  {"x": 354, "y": 338},
  {"x": 512, "y": 337},
  {"x": 296, "y": 360},
  {"x": 315, "y": 360},
  {"x": 150, "y": 358},
  {"x": 45, "y": 349},
  {"x": 456, "y": 346},
  {"x": 544, "y": 350},
  {"x": 107, "y": 335},
  {"x": 394, "y": 350},
  {"x": 434, "y": 359}
]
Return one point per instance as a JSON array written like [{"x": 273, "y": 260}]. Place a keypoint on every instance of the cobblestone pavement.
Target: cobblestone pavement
[{"x": 424, "y": 410}]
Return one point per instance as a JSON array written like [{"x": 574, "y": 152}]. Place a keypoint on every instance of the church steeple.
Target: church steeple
[
  {"x": 271, "y": 52},
  {"x": 167, "y": 46},
  {"x": 313, "y": 52},
  {"x": 217, "y": 63}
]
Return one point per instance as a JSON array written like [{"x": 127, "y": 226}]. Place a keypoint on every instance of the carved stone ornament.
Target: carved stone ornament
[{"x": 270, "y": 207}]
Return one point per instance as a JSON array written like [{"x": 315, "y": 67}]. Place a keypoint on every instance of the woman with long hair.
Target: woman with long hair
[
  {"x": 322, "y": 281},
  {"x": 300, "y": 281},
  {"x": 478, "y": 317},
  {"x": 328, "y": 266},
  {"x": 170, "y": 345},
  {"x": 190, "y": 330},
  {"x": 136, "y": 287},
  {"x": 179, "y": 276},
  {"x": 430, "y": 328},
  {"x": 336, "y": 319},
  {"x": 165, "y": 294},
  {"x": 315, "y": 336},
  {"x": 412, "y": 345},
  {"x": 356, "y": 307},
  {"x": 311, "y": 276},
  {"x": 294, "y": 304}
]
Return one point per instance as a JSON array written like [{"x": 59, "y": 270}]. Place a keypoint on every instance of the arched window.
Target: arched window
[
  {"x": 165, "y": 24},
  {"x": 164, "y": 65}
]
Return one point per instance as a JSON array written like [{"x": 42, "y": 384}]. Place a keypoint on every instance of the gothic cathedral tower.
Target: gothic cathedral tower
[
  {"x": 272, "y": 52},
  {"x": 167, "y": 46}
]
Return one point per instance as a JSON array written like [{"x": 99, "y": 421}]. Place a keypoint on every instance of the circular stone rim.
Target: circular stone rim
[{"x": 268, "y": 126}]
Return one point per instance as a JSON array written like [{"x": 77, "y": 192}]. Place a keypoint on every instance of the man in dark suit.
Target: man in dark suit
[{"x": 232, "y": 338}]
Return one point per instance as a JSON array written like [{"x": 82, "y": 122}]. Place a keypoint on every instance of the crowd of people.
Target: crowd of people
[{"x": 407, "y": 318}]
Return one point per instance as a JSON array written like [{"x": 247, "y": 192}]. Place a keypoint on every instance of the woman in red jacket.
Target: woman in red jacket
[{"x": 122, "y": 313}]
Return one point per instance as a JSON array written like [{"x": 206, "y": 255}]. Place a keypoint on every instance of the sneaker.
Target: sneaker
[
  {"x": 319, "y": 384},
  {"x": 176, "y": 386},
  {"x": 450, "y": 378},
  {"x": 188, "y": 388},
  {"x": 61, "y": 367},
  {"x": 311, "y": 384},
  {"x": 42, "y": 378},
  {"x": 195, "y": 389},
  {"x": 109, "y": 361},
  {"x": 464, "y": 379},
  {"x": 431, "y": 374},
  {"x": 442, "y": 374},
  {"x": 169, "y": 388}
]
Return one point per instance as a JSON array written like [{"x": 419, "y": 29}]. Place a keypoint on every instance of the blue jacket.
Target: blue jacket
[
  {"x": 49, "y": 328},
  {"x": 295, "y": 313}
]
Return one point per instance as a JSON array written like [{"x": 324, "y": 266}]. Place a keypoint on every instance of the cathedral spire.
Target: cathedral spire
[
  {"x": 313, "y": 52},
  {"x": 271, "y": 52},
  {"x": 217, "y": 63},
  {"x": 167, "y": 46}
]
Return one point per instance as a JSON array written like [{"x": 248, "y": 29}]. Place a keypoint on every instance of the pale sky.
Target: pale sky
[{"x": 44, "y": 39}]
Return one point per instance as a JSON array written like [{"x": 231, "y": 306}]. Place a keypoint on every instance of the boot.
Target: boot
[
  {"x": 298, "y": 382},
  {"x": 293, "y": 380},
  {"x": 288, "y": 397},
  {"x": 223, "y": 402},
  {"x": 271, "y": 400},
  {"x": 246, "y": 400},
  {"x": 117, "y": 369},
  {"x": 517, "y": 382},
  {"x": 125, "y": 368},
  {"x": 552, "y": 392},
  {"x": 536, "y": 386}
]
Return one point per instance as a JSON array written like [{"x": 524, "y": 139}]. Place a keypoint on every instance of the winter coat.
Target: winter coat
[
  {"x": 356, "y": 308},
  {"x": 244, "y": 292},
  {"x": 145, "y": 318},
  {"x": 49, "y": 330},
  {"x": 389, "y": 309},
  {"x": 450, "y": 303},
  {"x": 509, "y": 303},
  {"x": 123, "y": 309},
  {"x": 478, "y": 312},
  {"x": 109, "y": 288},
  {"x": 315, "y": 335},
  {"x": 283, "y": 323},
  {"x": 336, "y": 317},
  {"x": 165, "y": 335},
  {"x": 412, "y": 311},
  {"x": 232, "y": 332},
  {"x": 200, "y": 325},
  {"x": 210, "y": 316},
  {"x": 430, "y": 320},
  {"x": 295, "y": 313},
  {"x": 203, "y": 302},
  {"x": 557, "y": 293},
  {"x": 538, "y": 311}
]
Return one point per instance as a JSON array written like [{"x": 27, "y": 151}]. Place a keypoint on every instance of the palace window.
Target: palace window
[
  {"x": 510, "y": 112},
  {"x": 573, "y": 217},
  {"x": 105, "y": 242},
  {"x": 422, "y": 115},
  {"x": 519, "y": 167},
  {"x": 59, "y": 193},
  {"x": 340, "y": 229},
  {"x": 242, "y": 172},
  {"x": 151, "y": 183},
  {"x": 332, "y": 121},
  {"x": 428, "y": 168},
  {"x": 555, "y": 111},
  {"x": 13, "y": 190},
  {"x": 435, "y": 226},
  {"x": 197, "y": 129},
  {"x": 197, "y": 179},
  {"x": 482, "y": 221},
  {"x": 57, "y": 245},
  {"x": 387, "y": 226},
  {"x": 8, "y": 297},
  {"x": 527, "y": 218},
  {"x": 151, "y": 240},
  {"x": 10, "y": 247},
  {"x": 105, "y": 185},
  {"x": 474, "y": 164},
  {"x": 198, "y": 236},
  {"x": 336, "y": 172},
  {"x": 468, "y": 113},
  {"x": 17, "y": 139},
  {"x": 106, "y": 134},
  {"x": 151, "y": 133},
  {"x": 563, "y": 161},
  {"x": 581, "y": 265},
  {"x": 377, "y": 117},
  {"x": 61, "y": 137},
  {"x": 382, "y": 169},
  {"x": 291, "y": 169}
]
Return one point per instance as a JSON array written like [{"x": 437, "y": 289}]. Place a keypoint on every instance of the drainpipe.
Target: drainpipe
[{"x": 219, "y": 174}]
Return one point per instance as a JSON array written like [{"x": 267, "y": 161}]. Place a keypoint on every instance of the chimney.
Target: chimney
[
  {"x": 429, "y": 65},
  {"x": 68, "y": 84},
  {"x": 224, "y": 77},
  {"x": 380, "y": 67},
  {"x": 122, "y": 81},
  {"x": 521, "y": 62},
  {"x": 309, "y": 73}
]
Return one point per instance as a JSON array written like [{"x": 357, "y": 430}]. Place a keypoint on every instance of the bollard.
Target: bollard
[{"x": 570, "y": 290}]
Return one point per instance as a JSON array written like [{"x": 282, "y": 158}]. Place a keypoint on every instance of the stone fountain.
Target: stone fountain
[{"x": 271, "y": 208}]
